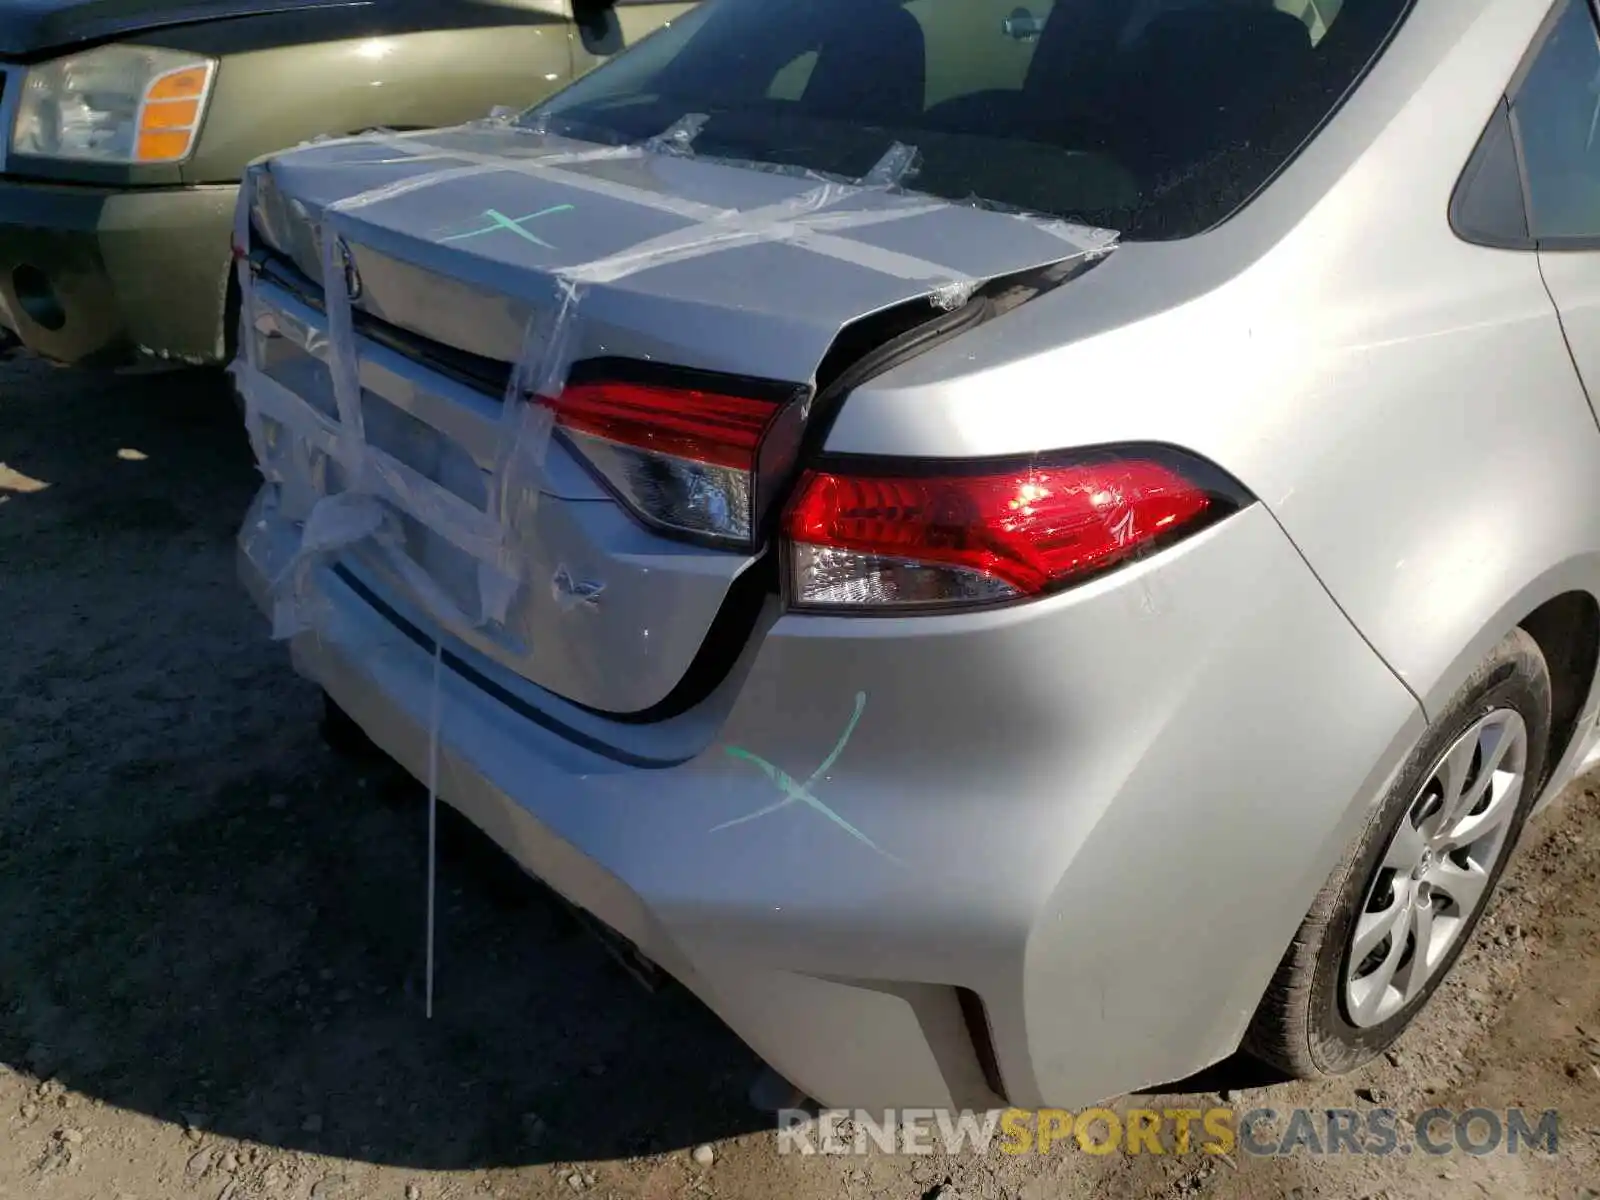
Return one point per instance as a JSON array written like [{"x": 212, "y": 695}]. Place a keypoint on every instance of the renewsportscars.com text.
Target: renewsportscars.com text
[{"x": 1261, "y": 1132}]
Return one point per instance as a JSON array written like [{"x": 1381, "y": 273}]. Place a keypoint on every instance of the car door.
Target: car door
[
  {"x": 1554, "y": 113},
  {"x": 605, "y": 27}
]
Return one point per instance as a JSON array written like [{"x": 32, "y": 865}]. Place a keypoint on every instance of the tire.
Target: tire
[
  {"x": 1325, "y": 1012},
  {"x": 343, "y": 736},
  {"x": 231, "y": 347}
]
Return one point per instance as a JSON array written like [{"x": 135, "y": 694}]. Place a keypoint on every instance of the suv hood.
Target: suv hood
[
  {"x": 702, "y": 265},
  {"x": 29, "y": 27}
]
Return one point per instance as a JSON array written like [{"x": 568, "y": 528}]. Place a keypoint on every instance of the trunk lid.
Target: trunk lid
[{"x": 444, "y": 278}]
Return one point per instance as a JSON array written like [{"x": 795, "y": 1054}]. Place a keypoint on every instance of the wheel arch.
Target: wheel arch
[
  {"x": 1567, "y": 629},
  {"x": 1560, "y": 610},
  {"x": 232, "y": 306}
]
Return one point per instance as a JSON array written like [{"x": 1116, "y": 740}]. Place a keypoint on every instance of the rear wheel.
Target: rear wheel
[{"x": 1396, "y": 913}]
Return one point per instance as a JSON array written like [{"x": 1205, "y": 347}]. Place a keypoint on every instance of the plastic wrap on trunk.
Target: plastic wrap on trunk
[{"x": 364, "y": 497}]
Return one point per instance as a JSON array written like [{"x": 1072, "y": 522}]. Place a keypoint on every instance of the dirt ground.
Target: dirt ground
[{"x": 210, "y": 927}]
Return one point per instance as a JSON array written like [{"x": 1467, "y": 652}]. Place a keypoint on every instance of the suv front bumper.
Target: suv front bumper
[{"x": 100, "y": 275}]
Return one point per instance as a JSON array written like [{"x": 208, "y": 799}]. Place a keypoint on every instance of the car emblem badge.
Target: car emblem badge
[{"x": 352, "y": 277}]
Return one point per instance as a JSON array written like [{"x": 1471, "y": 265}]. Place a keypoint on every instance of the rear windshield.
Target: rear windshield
[{"x": 1158, "y": 118}]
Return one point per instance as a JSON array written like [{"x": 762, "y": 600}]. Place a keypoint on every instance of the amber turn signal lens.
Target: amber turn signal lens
[
  {"x": 163, "y": 146},
  {"x": 169, "y": 119},
  {"x": 174, "y": 114},
  {"x": 186, "y": 84}
]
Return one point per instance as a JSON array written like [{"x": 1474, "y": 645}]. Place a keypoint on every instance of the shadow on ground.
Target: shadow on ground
[
  {"x": 208, "y": 917},
  {"x": 1236, "y": 1073}
]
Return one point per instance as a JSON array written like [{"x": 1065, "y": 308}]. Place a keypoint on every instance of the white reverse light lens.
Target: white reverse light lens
[
  {"x": 826, "y": 577},
  {"x": 115, "y": 104},
  {"x": 677, "y": 493}
]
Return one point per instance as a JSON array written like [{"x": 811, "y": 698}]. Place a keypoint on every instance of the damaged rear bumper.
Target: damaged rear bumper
[{"x": 1064, "y": 837}]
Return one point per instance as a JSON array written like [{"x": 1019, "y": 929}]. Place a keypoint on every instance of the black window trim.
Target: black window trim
[{"x": 1506, "y": 238}]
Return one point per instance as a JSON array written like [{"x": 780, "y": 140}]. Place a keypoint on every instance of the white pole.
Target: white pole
[{"x": 433, "y": 820}]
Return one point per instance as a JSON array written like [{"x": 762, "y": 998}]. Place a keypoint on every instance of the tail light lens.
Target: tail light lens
[
  {"x": 702, "y": 457},
  {"x": 896, "y": 540},
  {"x": 696, "y": 461}
]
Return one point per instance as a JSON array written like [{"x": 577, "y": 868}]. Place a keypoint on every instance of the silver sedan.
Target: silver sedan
[{"x": 1014, "y": 548}]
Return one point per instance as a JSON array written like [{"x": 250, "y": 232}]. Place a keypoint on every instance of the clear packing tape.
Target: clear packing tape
[
  {"x": 376, "y": 489},
  {"x": 349, "y": 492}
]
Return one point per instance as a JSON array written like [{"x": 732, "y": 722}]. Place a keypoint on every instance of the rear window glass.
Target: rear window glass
[{"x": 1155, "y": 117}]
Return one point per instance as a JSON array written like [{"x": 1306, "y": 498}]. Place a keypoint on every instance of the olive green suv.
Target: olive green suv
[{"x": 126, "y": 124}]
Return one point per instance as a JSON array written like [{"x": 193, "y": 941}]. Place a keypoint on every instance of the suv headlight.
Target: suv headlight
[{"x": 114, "y": 104}]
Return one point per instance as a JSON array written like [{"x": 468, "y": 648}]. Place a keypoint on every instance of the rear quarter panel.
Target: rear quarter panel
[{"x": 1402, "y": 402}]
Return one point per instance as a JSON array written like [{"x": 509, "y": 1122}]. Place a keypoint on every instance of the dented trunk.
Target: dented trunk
[{"x": 482, "y": 269}]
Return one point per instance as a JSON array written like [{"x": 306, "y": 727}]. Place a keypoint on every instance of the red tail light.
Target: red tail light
[
  {"x": 897, "y": 540},
  {"x": 695, "y": 461}
]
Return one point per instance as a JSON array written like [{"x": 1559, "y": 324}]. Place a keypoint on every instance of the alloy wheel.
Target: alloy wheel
[{"x": 1434, "y": 874}]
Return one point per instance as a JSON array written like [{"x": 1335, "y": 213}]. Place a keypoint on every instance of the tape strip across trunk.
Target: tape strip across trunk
[{"x": 378, "y": 487}]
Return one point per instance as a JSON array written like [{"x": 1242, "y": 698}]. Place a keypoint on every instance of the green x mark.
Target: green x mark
[
  {"x": 801, "y": 792},
  {"x": 498, "y": 221}
]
